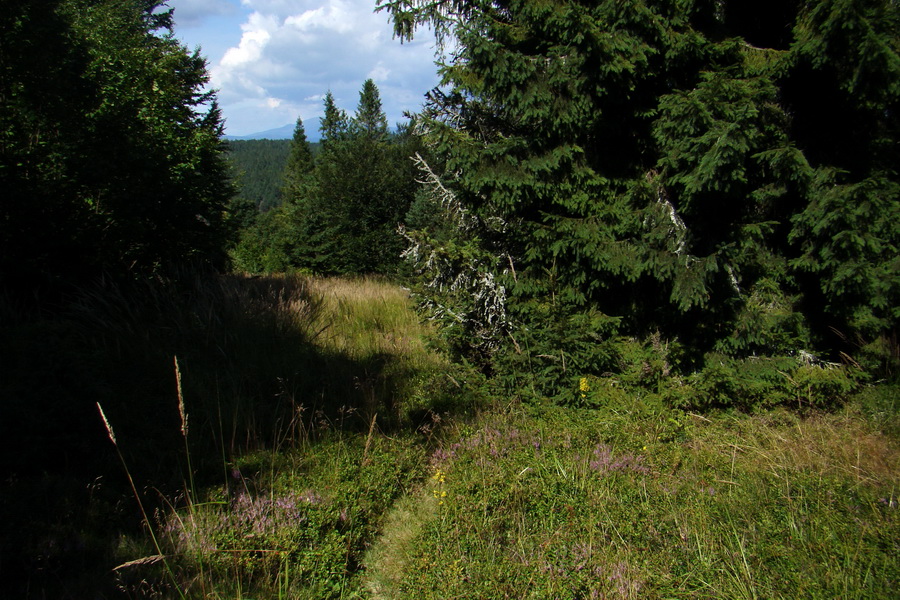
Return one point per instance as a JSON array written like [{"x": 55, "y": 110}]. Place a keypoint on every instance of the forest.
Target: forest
[
  {"x": 613, "y": 315},
  {"x": 257, "y": 170}
]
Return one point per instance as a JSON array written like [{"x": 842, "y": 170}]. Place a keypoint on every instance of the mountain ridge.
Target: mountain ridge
[{"x": 285, "y": 132}]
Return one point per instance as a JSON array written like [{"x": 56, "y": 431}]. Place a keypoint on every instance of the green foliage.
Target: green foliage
[
  {"x": 725, "y": 177},
  {"x": 110, "y": 157},
  {"x": 258, "y": 168},
  {"x": 343, "y": 207},
  {"x": 850, "y": 243},
  {"x": 762, "y": 383}
]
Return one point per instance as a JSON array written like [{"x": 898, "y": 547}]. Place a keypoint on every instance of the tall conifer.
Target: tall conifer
[
  {"x": 334, "y": 123},
  {"x": 634, "y": 166},
  {"x": 370, "y": 119},
  {"x": 299, "y": 166}
]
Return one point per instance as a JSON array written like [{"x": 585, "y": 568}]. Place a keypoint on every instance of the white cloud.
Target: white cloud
[
  {"x": 333, "y": 17},
  {"x": 293, "y": 51},
  {"x": 257, "y": 33},
  {"x": 380, "y": 73}
]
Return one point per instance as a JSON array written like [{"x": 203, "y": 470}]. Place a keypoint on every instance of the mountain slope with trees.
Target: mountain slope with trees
[
  {"x": 342, "y": 204},
  {"x": 258, "y": 169}
]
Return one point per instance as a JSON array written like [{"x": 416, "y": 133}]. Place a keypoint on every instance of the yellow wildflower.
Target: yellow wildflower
[{"x": 439, "y": 478}]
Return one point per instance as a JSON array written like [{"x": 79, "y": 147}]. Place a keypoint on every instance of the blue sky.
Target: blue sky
[{"x": 273, "y": 60}]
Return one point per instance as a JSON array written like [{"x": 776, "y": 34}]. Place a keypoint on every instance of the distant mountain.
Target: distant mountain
[{"x": 285, "y": 132}]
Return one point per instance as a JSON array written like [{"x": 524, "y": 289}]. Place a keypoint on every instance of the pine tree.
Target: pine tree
[
  {"x": 635, "y": 166},
  {"x": 334, "y": 123},
  {"x": 370, "y": 120},
  {"x": 364, "y": 188},
  {"x": 299, "y": 167}
]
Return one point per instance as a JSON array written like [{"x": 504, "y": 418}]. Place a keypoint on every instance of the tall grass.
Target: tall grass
[
  {"x": 294, "y": 519},
  {"x": 265, "y": 363}
]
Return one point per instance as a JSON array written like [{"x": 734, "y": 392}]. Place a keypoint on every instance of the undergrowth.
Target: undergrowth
[{"x": 310, "y": 442}]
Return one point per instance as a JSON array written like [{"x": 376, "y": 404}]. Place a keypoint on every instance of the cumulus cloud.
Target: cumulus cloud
[
  {"x": 290, "y": 52},
  {"x": 379, "y": 73}
]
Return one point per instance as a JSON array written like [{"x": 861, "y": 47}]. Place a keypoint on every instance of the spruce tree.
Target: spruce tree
[
  {"x": 111, "y": 160},
  {"x": 364, "y": 186},
  {"x": 724, "y": 176},
  {"x": 299, "y": 166},
  {"x": 334, "y": 123},
  {"x": 370, "y": 120}
]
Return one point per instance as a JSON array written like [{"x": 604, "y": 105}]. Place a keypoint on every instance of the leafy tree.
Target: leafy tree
[
  {"x": 110, "y": 157},
  {"x": 705, "y": 169}
]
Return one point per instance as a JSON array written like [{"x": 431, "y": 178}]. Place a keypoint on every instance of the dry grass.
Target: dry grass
[
  {"x": 369, "y": 316},
  {"x": 840, "y": 445}
]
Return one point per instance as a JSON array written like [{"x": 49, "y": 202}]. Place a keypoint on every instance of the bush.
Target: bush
[{"x": 761, "y": 383}]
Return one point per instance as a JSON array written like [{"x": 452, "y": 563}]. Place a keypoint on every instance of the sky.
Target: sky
[{"x": 272, "y": 61}]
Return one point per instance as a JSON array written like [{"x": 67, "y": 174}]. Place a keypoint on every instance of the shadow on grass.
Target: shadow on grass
[{"x": 253, "y": 377}]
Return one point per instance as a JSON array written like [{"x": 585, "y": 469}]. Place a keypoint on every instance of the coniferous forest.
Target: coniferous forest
[
  {"x": 613, "y": 315},
  {"x": 258, "y": 170}
]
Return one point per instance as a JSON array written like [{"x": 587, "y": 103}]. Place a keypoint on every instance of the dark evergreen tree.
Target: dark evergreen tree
[
  {"x": 345, "y": 219},
  {"x": 370, "y": 120},
  {"x": 365, "y": 186},
  {"x": 299, "y": 167},
  {"x": 111, "y": 159},
  {"x": 342, "y": 209},
  {"x": 334, "y": 123},
  {"x": 722, "y": 173}
]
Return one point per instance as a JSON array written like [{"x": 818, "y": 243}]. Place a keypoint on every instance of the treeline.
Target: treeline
[{"x": 341, "y": 205}]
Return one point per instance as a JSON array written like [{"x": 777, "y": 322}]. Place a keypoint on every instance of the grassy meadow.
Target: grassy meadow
[{"x": 312, "y": 441}]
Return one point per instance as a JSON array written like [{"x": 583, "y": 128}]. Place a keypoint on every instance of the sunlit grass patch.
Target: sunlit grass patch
[
  {"x": 371, "y": 323},
  {"x": 564, "y": 503},
  {"x": 370, "y": 316}
]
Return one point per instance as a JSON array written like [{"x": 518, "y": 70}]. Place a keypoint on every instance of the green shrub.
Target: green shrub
[{"x": 762, "y": 383}]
